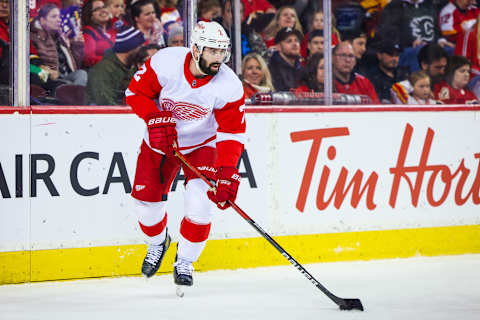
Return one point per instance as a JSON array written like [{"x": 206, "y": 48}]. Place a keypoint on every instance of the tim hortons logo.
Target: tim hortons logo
[
  {"x": 444, "y": 179},
  {"x": 184, "y": 110}
]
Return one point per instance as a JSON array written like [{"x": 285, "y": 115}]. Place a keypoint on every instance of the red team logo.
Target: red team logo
[{"x": 184, "y": 110}]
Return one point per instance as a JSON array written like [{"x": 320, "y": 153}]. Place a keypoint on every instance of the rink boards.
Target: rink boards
[{"x": 329, "y": 184}]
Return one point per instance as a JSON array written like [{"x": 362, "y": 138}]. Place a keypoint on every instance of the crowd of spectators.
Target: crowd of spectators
[
  {"x": 387, "y": 50},
  {"x": 384, "y": 50}
]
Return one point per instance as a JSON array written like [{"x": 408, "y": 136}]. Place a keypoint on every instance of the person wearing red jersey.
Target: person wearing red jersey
[
  {"x": 200, "y": 110},
  {"x": 347, "y": 81},
  {"x": 467, "y": 46},
  {"x": 457, "y": 17},
  {"x": 257, "y": 7},
  {"x": 454, "y": 89}
]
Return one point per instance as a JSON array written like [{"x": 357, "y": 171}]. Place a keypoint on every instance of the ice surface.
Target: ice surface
[{"x": 418, "y": 288}]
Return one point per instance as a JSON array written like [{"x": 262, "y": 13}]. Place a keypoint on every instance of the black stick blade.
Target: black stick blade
[{"x": 351, "y": 304}]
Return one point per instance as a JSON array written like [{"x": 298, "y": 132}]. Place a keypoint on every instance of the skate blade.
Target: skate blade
[{"x": 180, "y": 290}]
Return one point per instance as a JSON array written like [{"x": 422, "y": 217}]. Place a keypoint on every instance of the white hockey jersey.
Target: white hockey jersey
[{"x": 208, "y": 110}]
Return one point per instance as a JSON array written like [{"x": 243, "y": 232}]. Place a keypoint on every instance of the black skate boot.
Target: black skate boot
[
  {"x": 154, "y": 257},
  {"x": 183, "y": 272}
]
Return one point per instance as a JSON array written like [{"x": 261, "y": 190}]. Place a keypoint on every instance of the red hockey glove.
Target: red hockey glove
[
  {"x": 161, "y": 131},
  {"x": 227, "y": 180}
]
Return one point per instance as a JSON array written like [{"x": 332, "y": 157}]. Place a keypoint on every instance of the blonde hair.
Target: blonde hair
[
  {"x": 267, "y": 77},
  {"x": 334, "y": 23},
  {"x": 272, "y": 28},
  {"x": 417, "y": 75}
]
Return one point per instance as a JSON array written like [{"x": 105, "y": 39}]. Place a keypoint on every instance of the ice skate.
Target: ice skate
[
  {"x": 154, "y": 257},
  {"x": 182, "y": 275}
]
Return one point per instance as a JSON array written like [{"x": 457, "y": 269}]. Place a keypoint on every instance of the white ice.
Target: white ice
[{"x": 417, "y": 288}]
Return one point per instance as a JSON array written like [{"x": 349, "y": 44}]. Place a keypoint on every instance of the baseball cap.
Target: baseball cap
[
  {"x": 283, "y": 34},
  {"x": 389, "y": 47}
]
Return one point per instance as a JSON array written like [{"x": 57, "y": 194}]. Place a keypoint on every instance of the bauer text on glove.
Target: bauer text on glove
[
  {"x": 227, "y": 180},
  {"x": 161, "y": 131}
]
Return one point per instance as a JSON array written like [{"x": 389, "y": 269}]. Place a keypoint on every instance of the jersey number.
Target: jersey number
[{"x": 140, "y": 71}]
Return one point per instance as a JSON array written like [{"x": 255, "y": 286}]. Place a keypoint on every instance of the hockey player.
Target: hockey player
[{"x": 201, "y": 110}]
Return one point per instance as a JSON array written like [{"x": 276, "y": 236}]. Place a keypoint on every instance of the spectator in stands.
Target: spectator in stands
[
  {"x": 312, "y": 77},
  {"x": 254, "y": 7},
  {"x": 226, "y": 16},
  {"x": 209, "y": 9},
  {"x": 373, "y": 10},
  {"x": 285, "y": 17},
  {"x": 255, "y": 75},
  {"x": 347, "y": 81},
  {"x": 315, "y": 42},
  {"x": 358, "y": 40},
  {"x": 458, "y": 17},
  {"x": 117, "y": 13},
  {"x": 252, "y": 40},
  {"x": 421, "y": 90},
  {"x": 169, "y": 12},
  {"x": 145, "y": 53},
  {"x": 109, "y": 78},
  {"x": 305, "y": 9},
  {"x": 58, "y": 56},
  {"x": 454, "y": 89},
  {"x": 116, "y": 8},
  {"x": 467, "y": 46},
  {"x": 143, "y": 18},
  {"x": 175, "y": 37},
  {"x": 412, "y": 23},
  {"x": 37, "y": 4},
  {"x": 433, "y": 60},
  {"x": 98, "y": 37},
  {"x": 316, "y": 23},
  {"x": 4, "y": 42},
  {"x": 285, "y": 62},
  {"x": 386, "y": 72}
]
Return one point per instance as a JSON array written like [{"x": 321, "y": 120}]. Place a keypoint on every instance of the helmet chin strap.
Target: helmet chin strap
[{"x": 197, "y": 61}]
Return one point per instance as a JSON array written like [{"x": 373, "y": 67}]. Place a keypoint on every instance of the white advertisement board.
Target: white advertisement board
[
  {"x": 14, "y": 182},
  {"x": 303, "y": 173}
]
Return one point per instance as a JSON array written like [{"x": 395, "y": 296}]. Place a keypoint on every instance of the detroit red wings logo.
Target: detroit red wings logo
[{"x": 185, "y": 110}]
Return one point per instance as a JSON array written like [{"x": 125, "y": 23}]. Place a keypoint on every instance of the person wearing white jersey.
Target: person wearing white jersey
[{"x": 188, "y": 98}]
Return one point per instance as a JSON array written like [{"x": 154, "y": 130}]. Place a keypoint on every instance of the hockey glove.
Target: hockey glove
[
  {"x": 161, "y": 131},
  {"x": 227, "y": 180}
]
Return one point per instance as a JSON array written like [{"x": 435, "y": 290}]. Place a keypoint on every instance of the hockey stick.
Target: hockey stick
[{"x": 344, "y": 304}]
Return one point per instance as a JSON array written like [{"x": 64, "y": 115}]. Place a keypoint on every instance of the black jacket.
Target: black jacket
[
  {"x": 403, "y": 21},
  {"x": 383, "y": 83},
  {"x": 284, "y": 75}
]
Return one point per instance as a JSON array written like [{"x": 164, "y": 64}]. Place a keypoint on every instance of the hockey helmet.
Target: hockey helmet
[{"x": 212, "y": 35}]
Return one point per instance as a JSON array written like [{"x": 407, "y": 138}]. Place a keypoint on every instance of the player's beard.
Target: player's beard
[{"x": 208, "y": 69}]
